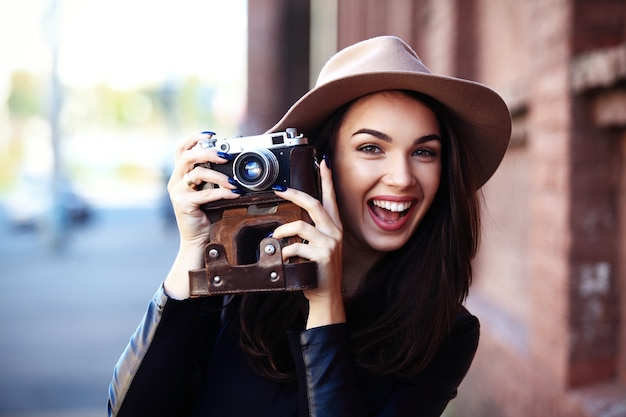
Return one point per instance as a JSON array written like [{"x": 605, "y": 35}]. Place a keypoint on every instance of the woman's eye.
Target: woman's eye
[
  {"x": 369, "y": 149},
  {"x": 427, "y": 153}
]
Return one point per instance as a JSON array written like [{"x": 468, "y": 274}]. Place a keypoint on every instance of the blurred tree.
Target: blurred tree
[{"x": 26, "y": 98}]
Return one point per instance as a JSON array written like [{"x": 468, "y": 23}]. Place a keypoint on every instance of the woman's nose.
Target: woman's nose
[{"x": 399, "y": 174}]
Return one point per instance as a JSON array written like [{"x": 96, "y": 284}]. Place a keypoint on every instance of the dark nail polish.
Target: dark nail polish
[
  {"x": 225, "y": 155},
  {"x": 233, "y": 181},
  {"x": 208, "y": 132},
  {"x": 327, "y": 160},
  {"x": 270, "y": 235},
  {"x": 279, "y": 187},
  {"x": 237, "y": 191}
]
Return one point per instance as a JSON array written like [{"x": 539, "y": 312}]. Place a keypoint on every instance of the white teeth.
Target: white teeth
[{"x": 394, "y": 206}]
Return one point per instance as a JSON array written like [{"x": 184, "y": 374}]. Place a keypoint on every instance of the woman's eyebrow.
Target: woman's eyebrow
[
  {"x": 428, "y": 138},
  {"x": 377, "y": 134},
  {"x": 385, "y": 137}
]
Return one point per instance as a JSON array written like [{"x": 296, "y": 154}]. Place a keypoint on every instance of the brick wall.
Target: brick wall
[
  {"x": 621, "y": 256},
  {"x": 594, "y": 312},
  {"x": 599, "y": 24},
  {"x": 548, "y": 147}
]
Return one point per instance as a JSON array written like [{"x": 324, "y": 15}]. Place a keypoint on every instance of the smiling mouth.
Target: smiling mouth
[{"x": 390, "y": 211}]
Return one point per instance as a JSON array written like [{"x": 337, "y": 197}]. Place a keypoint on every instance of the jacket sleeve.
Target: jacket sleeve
[
  {"x": 330, "y": 384},
  {"x": 326, "y": 374},
  {"x": 161, "y": 366}
]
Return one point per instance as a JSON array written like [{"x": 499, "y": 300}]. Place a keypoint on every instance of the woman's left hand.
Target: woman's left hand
[{"x": 324, "y": 247}]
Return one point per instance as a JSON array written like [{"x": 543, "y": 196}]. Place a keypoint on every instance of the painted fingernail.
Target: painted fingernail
[
  {"x": 208, "y": 132},
  {"x": 279, "y": 187},
  {"x": 327, "y": 160},
  {"x": 237, "y": 191},
  {"x": 225, "y": 155},
  {"x": 233, "y": 181}
]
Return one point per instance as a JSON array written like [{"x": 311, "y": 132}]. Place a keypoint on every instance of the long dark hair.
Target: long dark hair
[{"x": 396, "y": 324}]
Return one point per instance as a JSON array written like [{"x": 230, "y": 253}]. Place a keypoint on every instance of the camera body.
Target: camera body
[
  {"x": 241, "y": 256},
  {"x": 263, "y": 161}
]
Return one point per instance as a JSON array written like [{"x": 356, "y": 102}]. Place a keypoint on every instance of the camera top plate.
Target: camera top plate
[{"x": 289, "y": 137}]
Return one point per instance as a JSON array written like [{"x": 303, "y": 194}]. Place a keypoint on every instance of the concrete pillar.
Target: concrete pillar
[{"x": 278, "y": 60}]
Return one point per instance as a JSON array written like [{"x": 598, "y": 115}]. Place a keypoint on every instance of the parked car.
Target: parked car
[{"x": 31, "y": 202}]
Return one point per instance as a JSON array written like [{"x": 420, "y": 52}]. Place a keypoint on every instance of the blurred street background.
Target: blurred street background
[
  {"x": 67, "y": 315},
  {"x": 94, "y": 96}
]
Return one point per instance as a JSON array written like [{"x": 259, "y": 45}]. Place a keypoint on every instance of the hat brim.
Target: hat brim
[{"x": 482, "y": 119}]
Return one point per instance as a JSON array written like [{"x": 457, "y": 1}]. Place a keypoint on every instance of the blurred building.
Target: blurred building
[{"x": 550, "y": 280}]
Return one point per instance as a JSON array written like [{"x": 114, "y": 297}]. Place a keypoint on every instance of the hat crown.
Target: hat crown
[{"x": 380, "y": 54}]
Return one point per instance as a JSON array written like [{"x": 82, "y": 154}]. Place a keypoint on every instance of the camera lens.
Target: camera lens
[{"x": 256, "y": 169}]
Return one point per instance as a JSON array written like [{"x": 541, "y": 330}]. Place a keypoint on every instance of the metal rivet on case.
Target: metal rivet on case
[
  {"x": 214, "y": 253},
  {"x": 270, "y": 249},
  {"x": 274, "y": 277},
  {"x": 217, "y": 280}
]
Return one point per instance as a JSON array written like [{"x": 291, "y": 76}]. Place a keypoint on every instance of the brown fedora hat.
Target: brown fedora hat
[{"x": 482, "y": 119}]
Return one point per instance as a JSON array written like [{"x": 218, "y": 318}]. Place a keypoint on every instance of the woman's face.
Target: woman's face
[{"x": 386, "y": 169}]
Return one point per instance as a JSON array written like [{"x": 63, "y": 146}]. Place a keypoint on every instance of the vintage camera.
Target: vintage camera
[
  {"x": 241, "y": 256},
  {"x": 263, "y": 161}
]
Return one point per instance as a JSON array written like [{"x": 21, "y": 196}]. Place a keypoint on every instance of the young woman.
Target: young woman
[{"x": 385, "y": 332}]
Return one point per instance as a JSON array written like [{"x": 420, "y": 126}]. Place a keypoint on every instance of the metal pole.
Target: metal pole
[{"x": 55, "y": 226}]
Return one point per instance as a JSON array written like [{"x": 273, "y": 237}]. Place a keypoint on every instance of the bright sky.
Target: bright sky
[{"x": 126, "y": 43}]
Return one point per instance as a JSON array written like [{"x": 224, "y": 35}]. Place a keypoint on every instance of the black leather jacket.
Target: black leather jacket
[{"x": 173, "y": 366}]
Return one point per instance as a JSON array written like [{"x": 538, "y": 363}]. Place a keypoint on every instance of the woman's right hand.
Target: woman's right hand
[{"x": 187, "y": 197}]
